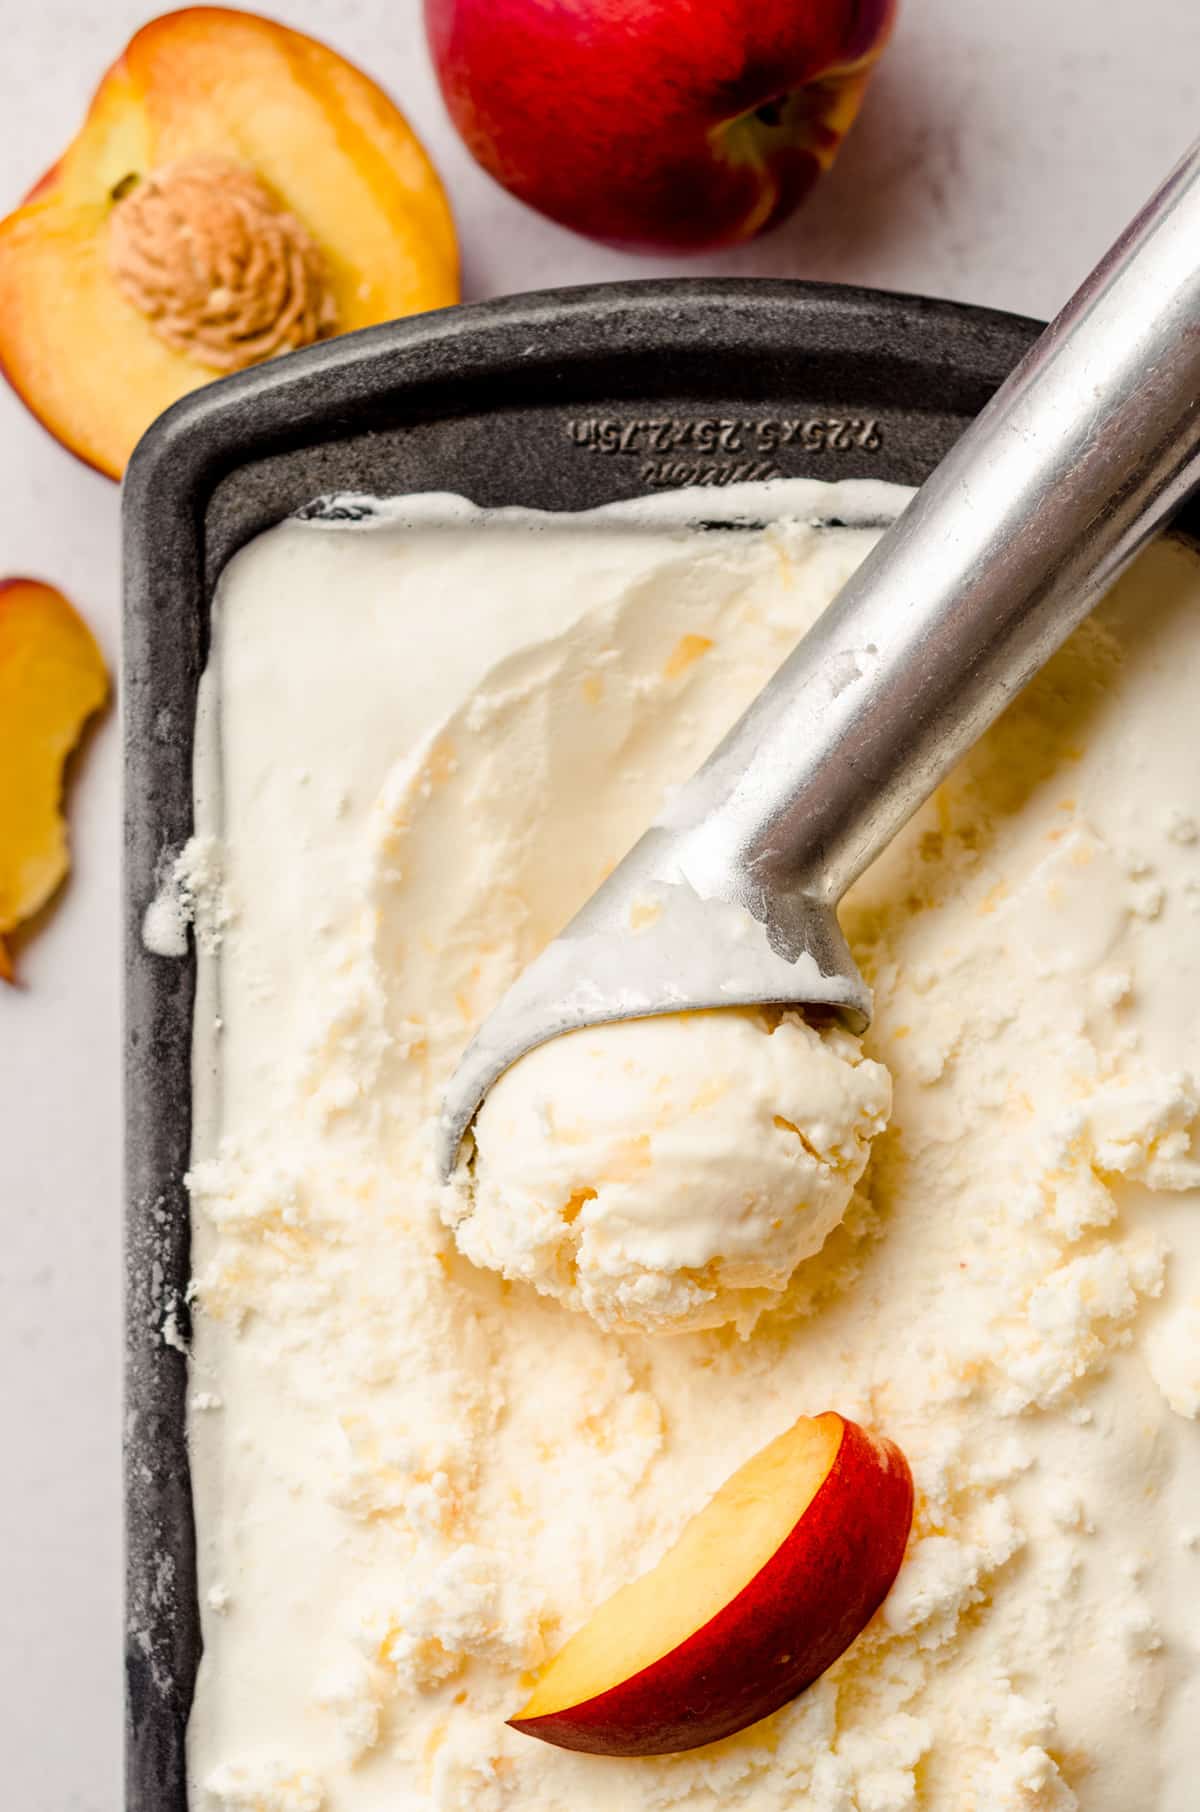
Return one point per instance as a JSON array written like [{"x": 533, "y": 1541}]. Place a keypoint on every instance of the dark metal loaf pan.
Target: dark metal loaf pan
[{"x": 560, "y": 401}]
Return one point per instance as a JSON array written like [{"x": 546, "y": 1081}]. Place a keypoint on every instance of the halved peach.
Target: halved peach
[
  {"x": 52, "y": 677},
  {"x": 236, "y": 189},
  {"x": 765, "y": 1588}
]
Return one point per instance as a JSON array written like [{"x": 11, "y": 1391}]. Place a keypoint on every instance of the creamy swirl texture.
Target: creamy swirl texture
[
  {"x": 424, "y": 740},
  {"x": 670, "y": 1173}
]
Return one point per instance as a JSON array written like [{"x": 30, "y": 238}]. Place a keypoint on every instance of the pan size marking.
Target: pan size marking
[{"x": 739, "y": 449}]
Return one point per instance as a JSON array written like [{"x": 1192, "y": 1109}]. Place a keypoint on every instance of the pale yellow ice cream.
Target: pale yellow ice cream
[
  {"x": 420, "y": 750},
  {"x": 669, "y": 1173}
]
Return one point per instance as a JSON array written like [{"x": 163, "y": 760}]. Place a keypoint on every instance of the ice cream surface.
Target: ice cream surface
[
  {"x": 670, "y": 1173},
  {"x": 423, "y": 740}
]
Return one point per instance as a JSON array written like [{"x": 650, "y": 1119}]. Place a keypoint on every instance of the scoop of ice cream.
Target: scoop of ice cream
[{"x": 669, "y": 1173}]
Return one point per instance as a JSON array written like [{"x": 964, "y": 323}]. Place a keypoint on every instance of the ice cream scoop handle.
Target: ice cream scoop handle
[{"x": 1088, "y": 447}]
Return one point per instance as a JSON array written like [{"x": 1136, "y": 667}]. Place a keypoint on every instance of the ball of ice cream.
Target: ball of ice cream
[{"x": 669, "y": 1173}]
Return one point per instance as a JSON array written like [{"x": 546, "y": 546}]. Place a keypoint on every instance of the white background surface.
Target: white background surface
[{"x": 1004, "y": 144}]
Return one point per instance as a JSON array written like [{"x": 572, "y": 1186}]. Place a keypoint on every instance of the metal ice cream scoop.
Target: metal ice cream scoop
[{"x": 731, "y": 898}]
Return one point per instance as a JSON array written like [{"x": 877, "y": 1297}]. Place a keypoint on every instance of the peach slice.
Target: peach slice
[
  {"x": 52, "y": 678},
  {"x": 237, "y": 189},
  {"x": 765, "y": 1588}
]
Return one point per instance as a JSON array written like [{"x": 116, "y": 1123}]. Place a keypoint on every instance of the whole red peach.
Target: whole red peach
[{"x": 657, "y": 123}]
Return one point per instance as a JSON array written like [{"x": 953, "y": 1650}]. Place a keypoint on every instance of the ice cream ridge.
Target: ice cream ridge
[{"x": 764, "y": 1415}]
